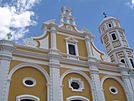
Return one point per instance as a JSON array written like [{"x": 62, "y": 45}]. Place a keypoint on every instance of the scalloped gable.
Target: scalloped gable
[
  {"x": 39, "y": 42},
  {"x": 98, "y": 54}
]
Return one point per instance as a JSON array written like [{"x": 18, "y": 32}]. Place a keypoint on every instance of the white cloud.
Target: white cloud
[
  {"x": 130, "y": 4},
  {"x": 16, "y": 18},
  {"x": 22, "y": 20},
  {"x": 23, "y": 5}
]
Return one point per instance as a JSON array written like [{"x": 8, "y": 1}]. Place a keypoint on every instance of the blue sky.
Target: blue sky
[{"x": 88, "y": 13}]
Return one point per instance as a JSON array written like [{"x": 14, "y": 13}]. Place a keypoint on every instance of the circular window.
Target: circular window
[
  {"x": 29, "y": 82},
  {"x": 75, "y": 85},
  {"x": 113, "y": 90}
]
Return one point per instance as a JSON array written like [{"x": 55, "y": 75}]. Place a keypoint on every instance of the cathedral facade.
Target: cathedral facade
[{"x": 63, "y": 64}]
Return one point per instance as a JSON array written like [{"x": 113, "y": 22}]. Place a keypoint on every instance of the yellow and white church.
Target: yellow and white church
[{"x": 63, "y": 64}]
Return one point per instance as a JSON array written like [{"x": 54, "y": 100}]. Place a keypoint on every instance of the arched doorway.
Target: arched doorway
[{"x": 77, "y": 98}]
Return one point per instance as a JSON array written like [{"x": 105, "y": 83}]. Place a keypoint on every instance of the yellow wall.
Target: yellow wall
[
  {"x": 16, "y": 62},
  {"x": 17, "y": 88},
  {"x": 112, "y": 97},
  {"x": 82, "y": 48},
  {"x": 67, "y": 92},
  {"x": 61, "y": 45}
]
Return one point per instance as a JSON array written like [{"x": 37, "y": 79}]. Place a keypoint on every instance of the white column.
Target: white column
[
  {"x": 53, "y": 37},
  {"x": 55, "y": 88},
  {"x": 96, "y": 84},
  {"x": 88, "y": 46},
  {"x": 6, "y": 49},
  {"x": 131, "y": 72},
  {"x": 120, "y": 40},
  {"x": 127, "y": 59},
  {"x": 128, "y": 86},
  {"x": 54, "y": 64}
]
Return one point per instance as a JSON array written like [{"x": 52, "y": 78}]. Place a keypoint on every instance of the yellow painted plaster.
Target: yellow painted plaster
[
  {"x": 16, "y": 62},
  {"x": 17, "y": 88},
  {"x": 61, "y": 45},
  {"x": 113, "y": 97},
  {"x": 82, "y": 48},
  {"x": 67, "y": 92}
]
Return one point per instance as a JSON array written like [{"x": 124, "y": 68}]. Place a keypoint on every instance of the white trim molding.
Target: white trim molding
[
  {"x": 78, "y": 81},
  {"x": 29, "y": 79},
  {"x": 77, "y": 72},
  {"x": 72, "y": 41},
  {"x": 24, "y": 65},
  {"x": 114, "y": 88},
  {"x": 77, "y": 98},
  {"x": 26, "y": 96}
]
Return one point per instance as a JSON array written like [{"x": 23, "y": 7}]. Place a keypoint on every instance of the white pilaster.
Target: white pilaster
[
  {"x": 118, "y": 35},
  {"x": 127, "y": 59},
  {"x": 97, "y": 88},
  {"x": 110, "y": 40},
  {"x": 54, "y": 65},
  {"x": 88, "y": 40},
  {"x": 55, "y": 93},
  {"x": 128, "y": 85},
  {"x": 88, "y": 46},
  {"x": 53, "y": 37},
  {"x": 6, "y": 49},
  {"x": 131, "y": 72}
]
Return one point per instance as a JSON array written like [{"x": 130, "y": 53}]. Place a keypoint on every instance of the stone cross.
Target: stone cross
[
  {"x": 105, "y": 15},
  {"x": 9, "y": 36}
]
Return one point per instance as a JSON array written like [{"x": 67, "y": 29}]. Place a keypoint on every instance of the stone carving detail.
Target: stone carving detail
[{"x": 30, "y": 42}]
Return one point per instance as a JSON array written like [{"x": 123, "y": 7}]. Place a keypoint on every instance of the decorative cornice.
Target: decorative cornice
[
  {"x": 23, "y": 53},
  {"x": 118, "y": 49},
  {"x": 109, "y": 30},
  {"x": 6, "y": 49},
  {"x": 71, "y": 32},
  {"x": 6, "y": 45},
  {"x": 31, "y": 48},
  {"x": 51, "y": 25},
  {"x": 54, "y": 65},
  {"x": 74, "y": 62},
  {"x": 105, "y": 20},
  {"x": 64, "y": 60}
]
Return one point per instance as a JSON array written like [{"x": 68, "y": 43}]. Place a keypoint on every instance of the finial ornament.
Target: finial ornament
[
  {"x": 105, "y": 15},
  {"x": 9, "y": 36}
]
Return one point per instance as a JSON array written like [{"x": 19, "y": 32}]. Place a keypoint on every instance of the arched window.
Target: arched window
[
  {"x": 122, "y": 61},
  {"x": 76, "y": 100},
  {"x": 114, "y": 36},
  {"x": 72, "y": 48},
  {"x": 27, "y": 98},
  {"x": 132, "y": 63}
]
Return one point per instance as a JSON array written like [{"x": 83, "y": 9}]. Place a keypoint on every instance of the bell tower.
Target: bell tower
[
  {"x": 66, "y": 16},
  {"x": 115, "y": 42}
]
